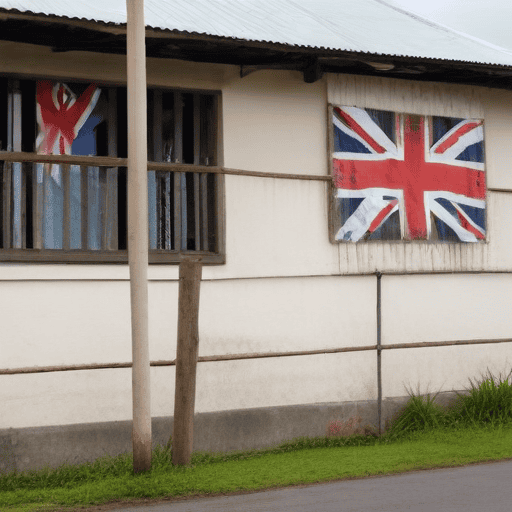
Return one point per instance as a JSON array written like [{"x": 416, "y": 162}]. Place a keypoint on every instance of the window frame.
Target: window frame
[{"x": 120, "y": 256}]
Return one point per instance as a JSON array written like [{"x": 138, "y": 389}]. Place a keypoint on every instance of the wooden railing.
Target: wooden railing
[{"x": 64, "y": 205}]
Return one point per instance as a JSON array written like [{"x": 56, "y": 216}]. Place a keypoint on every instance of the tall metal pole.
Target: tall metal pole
[
  {"x": 138, "y": 232},
  {"x": 379, "y": 350}
]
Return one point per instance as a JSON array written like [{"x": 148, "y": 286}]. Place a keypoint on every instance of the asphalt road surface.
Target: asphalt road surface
[{"x": 476, "y": 488}]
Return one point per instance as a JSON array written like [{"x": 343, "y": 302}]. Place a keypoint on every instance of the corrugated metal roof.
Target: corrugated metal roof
[{"x": 369, "y": 26}]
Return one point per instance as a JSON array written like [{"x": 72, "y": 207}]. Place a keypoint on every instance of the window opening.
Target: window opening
[{"x": 57, "y": 207}]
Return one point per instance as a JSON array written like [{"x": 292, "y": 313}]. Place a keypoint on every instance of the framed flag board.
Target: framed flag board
[{"x": 406, "y": 177}]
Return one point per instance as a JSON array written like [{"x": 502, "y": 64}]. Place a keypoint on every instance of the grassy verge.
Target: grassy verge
[{"x": 423, "y": 436}]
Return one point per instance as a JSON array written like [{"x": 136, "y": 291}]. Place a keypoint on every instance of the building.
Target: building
[{"x": 313, "y": 307}]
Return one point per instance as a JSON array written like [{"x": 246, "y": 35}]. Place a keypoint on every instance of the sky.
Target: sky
[{"x": 487, "y": 19}]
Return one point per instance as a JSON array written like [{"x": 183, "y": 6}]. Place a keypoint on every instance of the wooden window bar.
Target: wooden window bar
[{"x": 89, "y": 223}]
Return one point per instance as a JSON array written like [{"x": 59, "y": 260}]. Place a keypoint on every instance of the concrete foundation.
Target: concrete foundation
[{"x": 34, "y": 448}]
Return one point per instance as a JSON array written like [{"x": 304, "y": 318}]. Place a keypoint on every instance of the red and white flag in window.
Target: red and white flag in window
[{"x": 61, "y": 114}]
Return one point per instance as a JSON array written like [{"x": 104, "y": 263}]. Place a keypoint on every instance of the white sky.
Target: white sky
[{"x": 490, "y": 20}]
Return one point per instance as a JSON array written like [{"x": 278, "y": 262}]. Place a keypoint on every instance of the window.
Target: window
[
  {"x": 404, "y": 176},
  {"x": 77, "y": 211}
]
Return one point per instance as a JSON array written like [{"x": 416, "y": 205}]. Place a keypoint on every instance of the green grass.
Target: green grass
[
  {"x": 487, "y": 402},
  {"x": 424, "y": 435}
]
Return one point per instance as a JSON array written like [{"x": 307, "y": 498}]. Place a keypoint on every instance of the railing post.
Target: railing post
[
  {"x": 186, "y": 361},
  {"x": 379, "y": 351}
]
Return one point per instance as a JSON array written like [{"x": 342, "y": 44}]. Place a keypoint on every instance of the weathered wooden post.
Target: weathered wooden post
[
  {"x": 186, "y": 361},
  {"x": 138, "y": 232}
]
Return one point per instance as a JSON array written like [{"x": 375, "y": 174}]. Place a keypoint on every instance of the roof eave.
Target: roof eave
[{"x": 313, "y": 61}]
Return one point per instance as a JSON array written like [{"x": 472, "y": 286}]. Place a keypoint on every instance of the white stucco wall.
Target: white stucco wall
[
  {"x": 286, "y": 314},
  {"x": 433, "y": 369},
  {"x": 274, "y": 227},
  {"x": 90, "y": 396},
  {"x": 284, "y": 286},
  {"x": 265, "y": 131},
  {"x": 430, "y": 308},
  {"x": 446, "y": 307}
]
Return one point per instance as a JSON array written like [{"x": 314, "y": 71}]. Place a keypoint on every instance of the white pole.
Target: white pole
[{"x": 138, "y": 232}]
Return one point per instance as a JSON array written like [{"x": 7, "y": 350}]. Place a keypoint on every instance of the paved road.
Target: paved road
[{"x": 476, "y": 488}]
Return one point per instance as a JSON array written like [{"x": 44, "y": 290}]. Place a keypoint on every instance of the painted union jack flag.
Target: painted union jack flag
[{"x": 401, "y": 176}]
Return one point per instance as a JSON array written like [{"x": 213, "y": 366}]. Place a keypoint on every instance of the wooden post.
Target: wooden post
[
  {"x": 186, "y": 361},
  {"x": 138, "y": 232}
]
